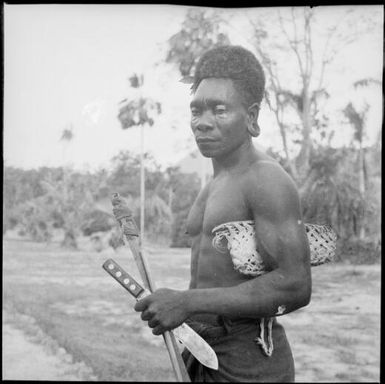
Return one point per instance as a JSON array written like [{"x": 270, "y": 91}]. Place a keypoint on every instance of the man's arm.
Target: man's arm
[{"x": 282, "y": 242}]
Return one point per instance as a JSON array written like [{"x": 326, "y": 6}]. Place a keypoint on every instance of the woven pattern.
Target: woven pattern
[
  {"x": 242, "y": 245},
  {"x": 322, "y": 242}
]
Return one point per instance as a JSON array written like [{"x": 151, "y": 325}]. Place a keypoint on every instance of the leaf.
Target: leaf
[
  {"x": 366, "y": 82},
  {"x": 135, "y": 80},
  {"x": 67, "y": 134},
  {"x": 199, "y": 33}
]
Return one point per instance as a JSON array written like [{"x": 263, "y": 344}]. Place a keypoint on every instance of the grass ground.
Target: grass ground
[{"x": 65, "y": 299}]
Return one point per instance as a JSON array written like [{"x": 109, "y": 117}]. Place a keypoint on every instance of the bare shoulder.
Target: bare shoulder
[
  {"x": 268, "y": 172},
  {"x": 269, "y": 188}
]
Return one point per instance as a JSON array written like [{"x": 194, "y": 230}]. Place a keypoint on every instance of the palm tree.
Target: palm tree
[
  {"x": 66, "y": 138},
  {"x": 357, "y": 119},
  {"x": 133, "y": 113}
]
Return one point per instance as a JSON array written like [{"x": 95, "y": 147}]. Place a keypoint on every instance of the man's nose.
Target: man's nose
[{"x": 204, "y": 122}]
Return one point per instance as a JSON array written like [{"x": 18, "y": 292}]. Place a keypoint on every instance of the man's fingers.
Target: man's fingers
[
  {"x": 141, "y": 305},
  {"x": 158, "y": 330},
  {"x": 146, "y": 315},
  {"x": 153, "y": 323}
]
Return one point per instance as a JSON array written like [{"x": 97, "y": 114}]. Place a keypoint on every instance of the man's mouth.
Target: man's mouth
[{"x": 205, "y": 140}]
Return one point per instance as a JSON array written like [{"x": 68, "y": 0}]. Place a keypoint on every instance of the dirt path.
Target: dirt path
[
  {"x": 33, "y": 355},
  {"x": 336, "y": 338}
]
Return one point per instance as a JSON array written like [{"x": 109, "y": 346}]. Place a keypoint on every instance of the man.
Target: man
[{"x": 234, "y": 296}]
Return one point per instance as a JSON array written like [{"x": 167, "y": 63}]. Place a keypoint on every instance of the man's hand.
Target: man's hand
[{"x": 165, "y": 309}]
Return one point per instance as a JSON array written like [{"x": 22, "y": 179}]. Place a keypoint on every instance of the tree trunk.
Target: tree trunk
[
  {"x": 290, "y": 164},
  {"x": 362, "y": 189},
  {"x": 170, "y": 196},
  {"x": 303, "y": 158},
  {"x": 142, "y": 187}
]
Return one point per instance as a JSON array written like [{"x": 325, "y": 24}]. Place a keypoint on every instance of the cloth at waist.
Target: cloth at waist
[{"x": 214, "y": 326}]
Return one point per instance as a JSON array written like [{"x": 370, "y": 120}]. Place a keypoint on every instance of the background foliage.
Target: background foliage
[{"x": 338, "y": 186}]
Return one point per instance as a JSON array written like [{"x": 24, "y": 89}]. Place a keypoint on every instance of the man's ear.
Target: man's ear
[{"x": 253, "y": 127}]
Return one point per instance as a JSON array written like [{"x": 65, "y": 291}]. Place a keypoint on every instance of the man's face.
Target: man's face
[{"x": 218, "y": 118}]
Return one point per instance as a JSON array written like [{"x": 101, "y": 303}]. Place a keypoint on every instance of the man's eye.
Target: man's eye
[
  {"x": 194, "y": 112},
  {"x": 220, "y": 110}
]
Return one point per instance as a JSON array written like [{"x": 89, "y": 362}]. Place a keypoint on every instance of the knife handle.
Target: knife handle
[{"x": 124, "y": 279}]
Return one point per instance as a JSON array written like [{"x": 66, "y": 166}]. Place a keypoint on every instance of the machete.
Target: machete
[
  {"x": 130, "y": 234},
  {"x": 198, "y": 347}
]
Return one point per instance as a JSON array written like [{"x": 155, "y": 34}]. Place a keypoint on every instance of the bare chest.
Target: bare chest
[{"x": 222, "y": 202}]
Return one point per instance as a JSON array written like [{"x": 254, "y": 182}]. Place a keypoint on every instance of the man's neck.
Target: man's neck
[{"x": 236, "y": 160}]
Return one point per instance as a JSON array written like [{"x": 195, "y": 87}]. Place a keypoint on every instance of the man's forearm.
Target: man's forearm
[{"x": 264, "y": 296}]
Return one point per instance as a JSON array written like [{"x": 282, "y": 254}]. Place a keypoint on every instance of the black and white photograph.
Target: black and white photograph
[{"x": 192, "y": 193}]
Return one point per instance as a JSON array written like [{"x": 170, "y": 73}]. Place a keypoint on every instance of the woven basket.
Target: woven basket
[{"x": 242, "y": 245}]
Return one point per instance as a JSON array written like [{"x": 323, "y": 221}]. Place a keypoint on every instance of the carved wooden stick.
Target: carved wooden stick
[{"x": 130, "y": 235}]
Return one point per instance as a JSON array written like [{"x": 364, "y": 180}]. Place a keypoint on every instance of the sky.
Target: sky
[{"x": 68, "y": 66}]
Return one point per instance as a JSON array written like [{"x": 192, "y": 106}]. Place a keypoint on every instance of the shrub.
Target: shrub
[
  {"x": 356, "y": 251},
  {"x": 97, "y": 221}
]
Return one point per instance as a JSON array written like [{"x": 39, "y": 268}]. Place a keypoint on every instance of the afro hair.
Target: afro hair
[{"x": 236, "y": 63}]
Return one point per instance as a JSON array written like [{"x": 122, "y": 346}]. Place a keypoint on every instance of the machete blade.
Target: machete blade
[{"x": 198, "y": 346}]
